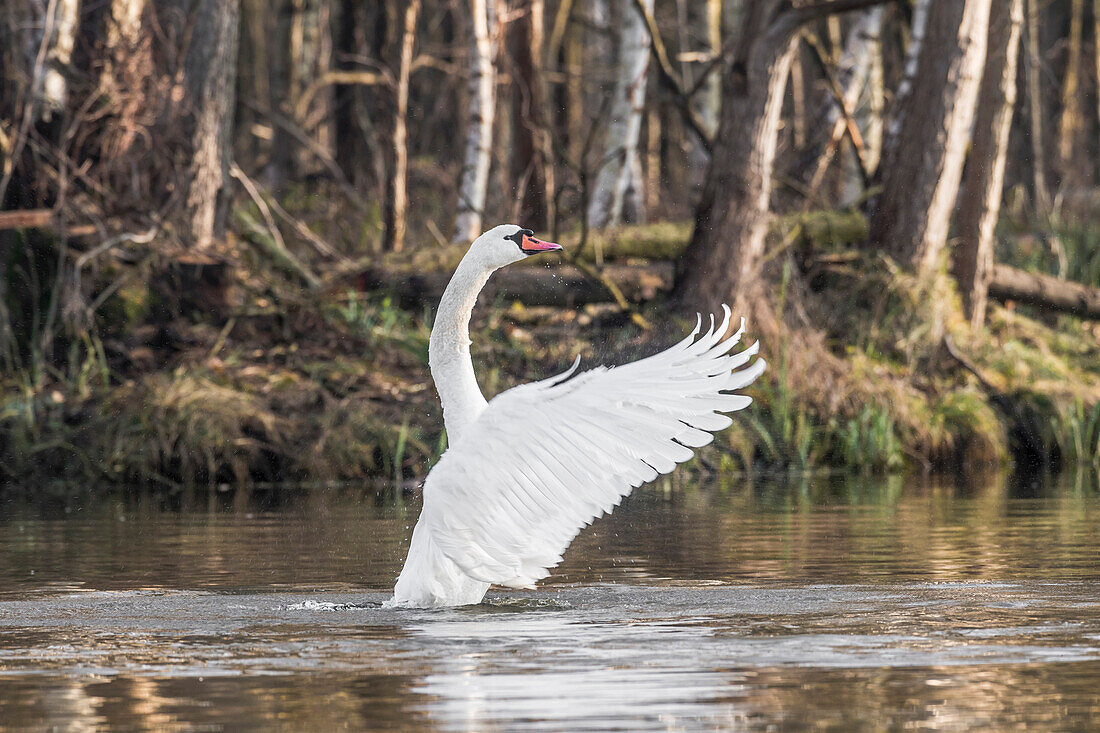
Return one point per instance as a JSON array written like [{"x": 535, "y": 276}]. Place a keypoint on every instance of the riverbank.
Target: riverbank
[{"x": 331, "y": 383}]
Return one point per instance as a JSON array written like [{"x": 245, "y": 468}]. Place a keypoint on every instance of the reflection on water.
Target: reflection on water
[{"x": 826, "y": 602}]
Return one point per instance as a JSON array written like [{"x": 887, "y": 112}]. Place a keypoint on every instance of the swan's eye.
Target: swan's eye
[{"x": 519, "y": 235}]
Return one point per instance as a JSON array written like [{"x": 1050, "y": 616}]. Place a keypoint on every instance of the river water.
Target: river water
[{"x": 825, "y": 603}]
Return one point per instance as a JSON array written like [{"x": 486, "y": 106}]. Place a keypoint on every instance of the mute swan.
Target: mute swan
[{"x": 528, "y": 470}]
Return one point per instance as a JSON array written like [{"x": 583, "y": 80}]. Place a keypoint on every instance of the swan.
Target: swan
[{"x": 526, "y": 471}]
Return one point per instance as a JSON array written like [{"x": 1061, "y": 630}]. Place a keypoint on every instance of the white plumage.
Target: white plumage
[{"x": 528, "y": 470}]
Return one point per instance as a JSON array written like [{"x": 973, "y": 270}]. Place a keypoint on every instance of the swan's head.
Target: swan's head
[{"x": 502, "y": 245}]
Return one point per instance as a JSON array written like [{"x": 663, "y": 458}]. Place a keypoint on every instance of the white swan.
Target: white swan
[{"x": 527, "y": 471}]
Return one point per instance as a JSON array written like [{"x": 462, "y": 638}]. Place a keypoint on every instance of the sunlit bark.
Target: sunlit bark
[
  {"x": 732, "y": 218},
  {"x": 1071, "y": 121},
  {"x": 481, "y": 105},
  {"x": 1035, "y": 110},
  {"x": 210, "y": 71},
  {"x": 980, "y": 200},
  {"x": 923, "y": 164},
  {"x": 51, "y": 85},
  {"x": 397, "y": 182},
  {"x": 619, "y": 192}
]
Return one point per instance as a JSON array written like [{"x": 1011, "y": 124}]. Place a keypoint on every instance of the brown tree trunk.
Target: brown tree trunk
[
  {"x": 310, "y": 55},
  {"x": 1071, "y": 121},
  {"x": 922, "y": 166},
  {"x": 1035, "y": 110},
  {"x": 731, "y": 220},
  {"x": 210, "y": 69},
  {"x": 1096, "y": 47},
  {"x": 722, "y": 261},
  {"x": 980, "y": 200},
  {"x": 397, "y": 183},
  {"x": 532, "y": 172}
]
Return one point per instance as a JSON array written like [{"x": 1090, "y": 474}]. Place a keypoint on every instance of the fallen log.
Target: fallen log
[
  {"x": 1045, "y": 291},
  {"x": 563, "y": 285},
  {"x": 420, "y": 276},
  {"x": 25, "y": 218},
  {"x": 41, "y": 219},
  {"x": 658, "y": 241}
]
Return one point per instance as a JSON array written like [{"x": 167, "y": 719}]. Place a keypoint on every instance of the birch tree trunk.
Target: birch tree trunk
[
  {"x": 980, "y": 201},
  {"x": 397, "y": 182},
  {"x": 710, "y": 99},
  {"x": 923, "y": 164},
  {"x": 854, "y": 70},
  {"x": 707, "y": 101},
  {"x": 619, "y": 194},
  {"x": 481, "y": 105},
  {"x": 52, "y": 87}
]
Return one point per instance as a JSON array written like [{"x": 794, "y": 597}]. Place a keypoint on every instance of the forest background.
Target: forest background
[{"x": 224, "y": 224}]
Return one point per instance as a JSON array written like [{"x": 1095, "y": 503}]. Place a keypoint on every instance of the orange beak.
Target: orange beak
[{"x": 533, "y": 246}]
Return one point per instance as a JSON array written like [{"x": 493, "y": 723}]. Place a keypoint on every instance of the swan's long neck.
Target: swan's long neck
[{"x": 449, "y": 348}]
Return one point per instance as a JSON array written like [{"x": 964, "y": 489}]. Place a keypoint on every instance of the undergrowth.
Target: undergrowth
[{"x": 334, "y": 385}]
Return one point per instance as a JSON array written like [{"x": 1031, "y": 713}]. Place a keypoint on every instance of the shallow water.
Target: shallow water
[{"x": 825, "y": 603}]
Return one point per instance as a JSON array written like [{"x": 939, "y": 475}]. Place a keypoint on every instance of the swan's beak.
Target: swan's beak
[{"x": 533, "y": 246}]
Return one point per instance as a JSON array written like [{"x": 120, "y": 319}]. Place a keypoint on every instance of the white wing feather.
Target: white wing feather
[{"x": 547, "y": 458}]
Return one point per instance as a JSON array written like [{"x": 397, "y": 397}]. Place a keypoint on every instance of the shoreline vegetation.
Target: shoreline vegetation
[
  {"x": 262, "y": 377},
  {"x": 224, "y": 226}
]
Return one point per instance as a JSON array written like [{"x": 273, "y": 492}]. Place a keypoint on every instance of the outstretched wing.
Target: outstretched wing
[{"x": 545, "y": 459}]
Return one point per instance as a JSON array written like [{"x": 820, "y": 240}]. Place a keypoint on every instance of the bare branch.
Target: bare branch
[
  {"x": 362, "y": 78},
  {"x": 671, "y": 78}
]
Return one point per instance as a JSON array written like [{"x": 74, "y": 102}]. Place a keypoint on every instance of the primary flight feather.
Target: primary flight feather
[{"x": 526, "y": 471}]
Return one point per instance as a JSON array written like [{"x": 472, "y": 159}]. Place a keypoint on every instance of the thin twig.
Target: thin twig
[
  {"x": 314, "y": 147},
  {"x": 361, "y": 78},
  {"x": 838, "y": 96},
  {"x": 303, "y": 230},
  {"x": 254, "y": 194},
  {"x": 222, "y": 336},
  {"x": 29, "y": 107}
]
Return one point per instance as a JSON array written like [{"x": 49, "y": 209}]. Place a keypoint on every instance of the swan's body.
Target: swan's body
[{"x": 528, "y": 470}]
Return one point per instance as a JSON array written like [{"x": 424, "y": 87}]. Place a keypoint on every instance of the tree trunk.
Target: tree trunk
[
  {"x": 481, "y": 105},
  {"x": 1096, "y": 47},
  {"x": 912, "y": 63},
  {"x": 732, "y": 217},
  {"x": 210, "y": 71},
  {"x": 710, "y": 97},
  {"x": 51, "y": 88},
  {"x": 923, "y": 163},
  {"x": 854, "y": 68},
  {"x": 618, "y": 196},
  {"x": 1035, "y": 111},
  {"x": 1071, "y": 122},
  {"x": 397, "y": 182},
  {"x": 310, "y": 56},
  {"x": 980, "y": 200},
  {"x": 532, "y": 172}
]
